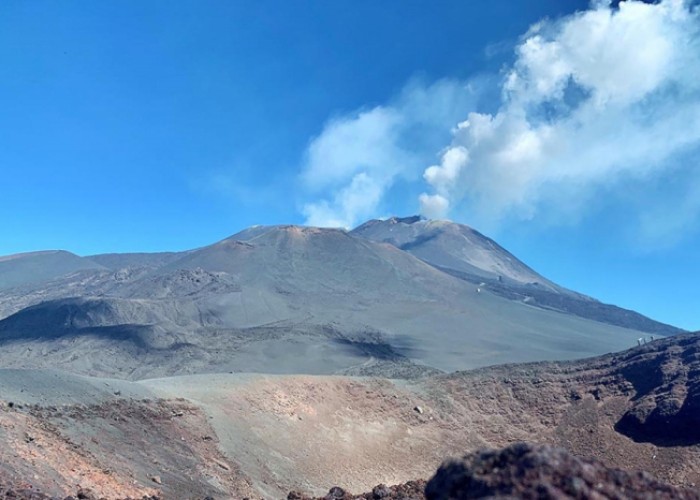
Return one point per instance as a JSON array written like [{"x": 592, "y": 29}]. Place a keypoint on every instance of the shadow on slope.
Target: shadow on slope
[
  {"x": 666, "y": 408},
  {"x": 115, "y": 321}
]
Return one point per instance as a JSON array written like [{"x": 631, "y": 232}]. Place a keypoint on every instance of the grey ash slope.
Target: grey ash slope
[
  {"x": 117, "y": 261},
  {"x": 35, "y": 267},
  {"x": 283, "y": 299},
  {"x": 469, "y": 255},
  {"x": 451, "y": 246}
]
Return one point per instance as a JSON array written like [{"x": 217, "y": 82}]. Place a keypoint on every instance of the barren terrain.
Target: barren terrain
[{"x": 255, "y": 435}]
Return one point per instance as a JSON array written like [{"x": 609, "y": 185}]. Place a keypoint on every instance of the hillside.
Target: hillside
[
  {"x": 36, "y": 267},
  {"x": 286, "y": 300},
  {"x": 465, "y": 253},
  {"x": 452, "y": 246}
]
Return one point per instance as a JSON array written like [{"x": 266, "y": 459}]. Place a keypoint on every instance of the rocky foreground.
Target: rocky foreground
[
  {"x": 522, "y": 471},
  {"x": 238, "y": 436},
  {"x": 519, "y": 471}
]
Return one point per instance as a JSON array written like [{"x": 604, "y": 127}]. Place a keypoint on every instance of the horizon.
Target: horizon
[{"x": 131, "y": 128}]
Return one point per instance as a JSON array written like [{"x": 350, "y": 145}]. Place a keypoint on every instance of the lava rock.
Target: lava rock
[{"x": 544, "y": 473}]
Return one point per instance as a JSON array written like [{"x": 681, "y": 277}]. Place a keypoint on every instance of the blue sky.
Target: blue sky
[{"x": 145, "y": 126}]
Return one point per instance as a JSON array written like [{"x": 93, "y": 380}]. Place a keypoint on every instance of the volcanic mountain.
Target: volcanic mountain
[
  {"x": 469, "y": 255},
  {"x": 453, "y": 247},
  {"x": 432, "y": 296}
]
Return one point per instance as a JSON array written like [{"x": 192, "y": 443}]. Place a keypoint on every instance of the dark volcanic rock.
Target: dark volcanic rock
[
  {"x": 542, "y": 472},
  {"x": 412, "y": 490},
  {"x": 666, "y": 409},
  {"x": 28, "y": 493},
  {"x": 522, "y": 471}
]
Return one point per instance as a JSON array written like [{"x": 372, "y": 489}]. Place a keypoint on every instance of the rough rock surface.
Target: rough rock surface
[
  {"x": 411, "y": 490},
  {"x": 542, "y": 472},
  {"x": 113, "y": 450},
  {"x": 666, "y": 408},
  {"x": 521, "y": 471},
  {"x": 27, "y": 492}
]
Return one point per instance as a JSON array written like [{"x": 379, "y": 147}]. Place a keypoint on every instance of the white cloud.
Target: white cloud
[
  {"x": 591, "y": 99},
  {"x": 357, "y": 158},
  {"x": 434, "y": 206},
  {"x": 365, "y": 141},
  {"x": 663, "y": 225},
  {"x": 357, "y": 200},
  {"x": 443, "y": 175}
]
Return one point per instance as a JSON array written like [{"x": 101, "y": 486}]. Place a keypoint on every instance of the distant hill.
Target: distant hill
[{"x": 35, "y": 267}]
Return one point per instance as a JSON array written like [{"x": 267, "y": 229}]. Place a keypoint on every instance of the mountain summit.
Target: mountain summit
[
  {"x": 452, "y": 247},
  {"x": 463, "y": 252}
]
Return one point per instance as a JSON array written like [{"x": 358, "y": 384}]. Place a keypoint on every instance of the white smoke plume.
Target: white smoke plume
[
  {"x": 357, "y": 158},
  {"x": 592, "y": 101},
  {"x": 597, "y": 97}
]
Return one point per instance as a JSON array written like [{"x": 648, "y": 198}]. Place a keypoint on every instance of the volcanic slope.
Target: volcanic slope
[
  {"x": 285, "y": 299},
  {"x": 116, "y": 261},
  {"x": 239, "y": 435},
  {"x": 469, "y": 255},
  {"x": 452, "y": 246},
  {"x": 36, "y": 267}
]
